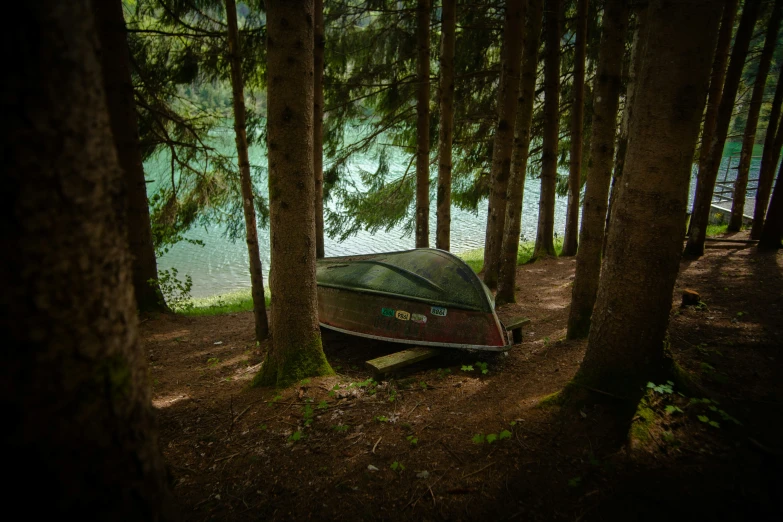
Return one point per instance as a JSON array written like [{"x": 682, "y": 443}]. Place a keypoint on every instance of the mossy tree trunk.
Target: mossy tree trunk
[
  {"x": 508, "y": 95},
  {"x": 519, "y": 155},
  {"x": 115, "y": 62},
  {"x": 79, "y": 423},
  {"x": 772, "y": 233},
  {"x": 749, "y": 137},
  {"x": 423, "y": 124},
  {"x": 446, "y": 132},
  {"x": 295, "y": 351},
  {"x": 570, "y": 239},
  {"x": 608, "y": 82},
  {"x": 769, "y": 160},
  {"x": 545, "y": 244},
  {"x": 318, "y": 125},
  {"x": 626, "y": 342},
  {"x": 708, "y": 168},
  {"x": 240, "y": 135}
]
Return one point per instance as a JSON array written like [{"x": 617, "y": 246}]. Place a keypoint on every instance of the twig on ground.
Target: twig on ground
[{"x": 479, "y": 471}]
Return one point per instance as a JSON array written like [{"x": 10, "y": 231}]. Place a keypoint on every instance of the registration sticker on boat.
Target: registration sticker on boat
[
  {"x": 402, "y": 316},
  {"x": 438, "y": 310},
  {"x": 387, "y": 312},
  {"x": 418, "y": 318}
]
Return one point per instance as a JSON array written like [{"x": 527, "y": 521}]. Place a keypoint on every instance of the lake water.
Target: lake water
[{"x": 221, "y": 265}]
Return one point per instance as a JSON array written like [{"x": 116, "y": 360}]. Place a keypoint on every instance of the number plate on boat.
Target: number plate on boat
[
  {"x": 387, "y": 312},
  {"x": 418, "y": 318},
  {"x": 438, "y": 310},
  {"x": 402, "y": 316}
]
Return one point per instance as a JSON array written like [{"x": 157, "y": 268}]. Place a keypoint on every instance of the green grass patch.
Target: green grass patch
[
  {"x": 239, "y": 301},
  {"x": 475, "y": 258},
  {"x": 717, "y": 230}
]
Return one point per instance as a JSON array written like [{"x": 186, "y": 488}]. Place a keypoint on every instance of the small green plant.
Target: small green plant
[
  {"x": 667, "y": 388},
  {"x": 466, "y": 368},
  {"x": 478, "y": 438},
  {"x": 392, "y": 395},
  {"x": 262, "y": 427},
  {"x": 412, "y": 440},
  {"x": 381, "y": 418},
  {"x": 304, "y": 382},
  {"x": 212, "y": 362},
  {"x": 322, "y": 405},
  {"x": 275, "y": 399},
  {"x": 483, "y": 367},
  {"x": 574, "y": 482},
  {"x": 307, "y": 415},
  {"x": 505, "y": 434},
  {"x": 175, "y": 292},
  {"x": 491, "y": 438},
  {"x": 397, "y": 466},
  {"x": 423, "y": 385},
  {"x": 671, "y": 408},
  {"x": 333, "y": 391},
  {"x": 341, "y": 428},
  {"x": 442, "y": 373},
  {"x": 296, "y": 436}
]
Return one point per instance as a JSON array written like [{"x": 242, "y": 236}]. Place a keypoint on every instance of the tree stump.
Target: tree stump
[{"x": 690, "y": 297}]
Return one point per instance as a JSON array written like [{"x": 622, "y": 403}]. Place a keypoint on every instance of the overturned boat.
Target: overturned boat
[{"x": 425, "y": 297}]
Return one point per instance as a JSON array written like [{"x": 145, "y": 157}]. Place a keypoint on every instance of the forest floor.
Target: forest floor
[{"x": 442, "y": 442}]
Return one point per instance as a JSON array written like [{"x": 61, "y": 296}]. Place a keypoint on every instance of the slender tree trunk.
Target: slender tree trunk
[
  {"x": 772, "y": 233},
  {"x": 608, "y": 81},
  {"x": 545, "y": 245},
  {"x": 769, "y": 160},
  {"x": 318, "y": 126},
  {"x": 74, "y": 385},
  {"x": 423, "y": 124},
  {"x": 254, "y": 257},
  {"x": 296, "y": 350},
  {"x": 446, "y": 95},
  {"x": 519, "y": 157},
  {"x": 570, "y": 240},
  {"x": 708, "y": 169},
  {"x": 115, "y": 62},
  {"x": 632, "y": 73},
  {"x": 749, "y": 139},
  {"x": 508, "y": 95},
  {"x": 625, "y": 348}
]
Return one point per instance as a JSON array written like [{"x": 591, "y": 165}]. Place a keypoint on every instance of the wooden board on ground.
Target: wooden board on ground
[
  {"x": 515, "y": 324},
  {"x": 395, "y": 361}
]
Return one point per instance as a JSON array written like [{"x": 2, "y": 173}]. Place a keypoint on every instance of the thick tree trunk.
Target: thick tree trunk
[
  {"x": 708, "y": 168},
  {"x": 508, "y": 95},
  {"x": 570, "y": 240},
  {"x": 446, "y": 95},
  {"x": 608, "y": 82},
  {"x": 625, "y": 347},
  {"x": 632, "y": 73},
  {"x": 772, "y": 233},
  {"x": 254, "y": 257},
  {"x": 74, "y": 385},
  {"x": 545, "y": 245},
  {"x": 519, "y": 156},
  {"x": 318, "y": 125},
  {"x": 115, "y": 62},
  {"x": 769, "y": 160},
  {"x": 749, "y": 138},
  {"x": 296, "y": 350},
  {"x": 423, "y": 124}
]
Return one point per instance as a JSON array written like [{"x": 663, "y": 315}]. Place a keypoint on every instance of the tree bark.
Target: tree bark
[
  {"x": 545, "y": 243},
  {"x": 772, "y": 233},
  {"x": 296, "y": 351},
  {"x": 708, "y": 169},
  {"x": 446, "y": 95},
  {"x": 769, "y": 160},
  {"x": 115, "y": 62},
  {"x": 749, "y": 138},
  {"x": 519, "y": 157},
  {"x": 570, "y": 240},
  {"x": 625, "y": 348},
  {"x": 423, "y": 124},
  {"x": 607, "y": 85},
  {"x": 622, "y": 141},
  {"x": 318, "y": 125},
  {"x": 74, "y": 385},
  {"x": 238, "y": 100},
  {"x": 508, "y": 95}
]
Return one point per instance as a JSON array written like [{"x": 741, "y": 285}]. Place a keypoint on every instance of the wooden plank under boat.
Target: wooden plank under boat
[{"x": 426, "y": 297}]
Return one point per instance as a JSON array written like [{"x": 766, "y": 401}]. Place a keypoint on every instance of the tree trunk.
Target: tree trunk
[
  {"x": 749, "y": 139},
  {"x": 772, "y": 233},
  {"x": 74, "y": 383},
  {"x": 708, "y": 169},
  {"x": 446, "y": 95},
  {"x": 570, "y": 241},
  {"x": 607, "y": 85},
  {"x": 238, "y": 99},
  {"x": 296, "y": 350},
  {"x": 769, "y": 160},
  {"x": 508, "y": 95},
  {"x": 115, "y": 62},
  {"x": 545, "y": 245},
  {"x": 625, "y": 348},
  {"x": 519, "y": 157},
  {"x": 318, "y": 125},
  {"x": 632, "y": 73},
  {"x": 423, "y": 124}
]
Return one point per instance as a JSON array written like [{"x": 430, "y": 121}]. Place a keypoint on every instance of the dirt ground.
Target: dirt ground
[{"x": 445, "y": 441}]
